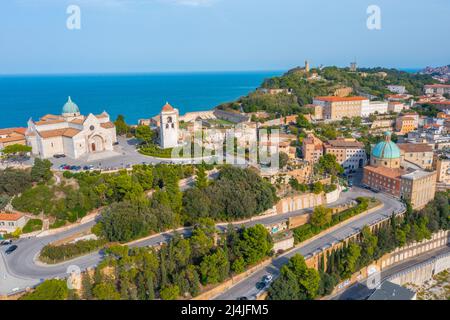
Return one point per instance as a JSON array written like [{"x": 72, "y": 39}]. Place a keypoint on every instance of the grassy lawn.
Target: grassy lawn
[{"x": 32, "y": 225}]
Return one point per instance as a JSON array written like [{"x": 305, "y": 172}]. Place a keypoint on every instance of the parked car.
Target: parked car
[
  {"x": 11, "y": 249},
  {"x": 267, "y": 278},
  {"x": 6, "y": 242},
  {"x": 57, "y": 156},
  {"x": 87, "y": 168},
  {"x": 260, "y": 285}
]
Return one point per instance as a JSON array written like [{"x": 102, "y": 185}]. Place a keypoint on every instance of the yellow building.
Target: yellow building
[
  {"x": 420, "y": 154},
  {"x": 337, "y": 108},
  {"x": 418, "y": 187},
  {"x": 443, "y": 170},
  {"x": 405, "y": 124}
]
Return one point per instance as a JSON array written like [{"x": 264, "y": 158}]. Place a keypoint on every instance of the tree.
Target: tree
[
  {"x": 145, "y": 134},
  {"x": 286, "y": 287},
  {"x": 13, "y": 182},
  {"x": 105, "y": 291},
  {"x": 201, "y": 180},
  {"x": 328, "y": 165},
  {"x": 49, "y": 290},
  {"x": 86, "y": 285},
  {"x": 302, "y": 122},
  {"x": 171, "y": 292},
  {"x": 255, "y": 244},
  {"x": 321, "y": 217},
  {"x": 284, "y": 159},
  {"x": 296, "y": 282},
  {"x": 317, "y": 187},
  {"x": 41, "y": 171},
  {"x": 202, "y": 239},
  {"x": 368, "y": 245},
  {"x": 16, "y": 151},
  {"x": 215, "y": 267},
  {"x": 121, "y": 126},
  {"x": 351, "y": 256}
]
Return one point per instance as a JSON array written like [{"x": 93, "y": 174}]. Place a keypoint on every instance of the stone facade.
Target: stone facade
[
  {"x": 336, "y": 108},
  {"x": 169, "y": 125},
  {"x": 71, "y": 134}
]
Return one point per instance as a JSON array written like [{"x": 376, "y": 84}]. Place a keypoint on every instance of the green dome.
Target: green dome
[
  {"x": 386, "y": 149},
  {"x": 70, "y": 107}
]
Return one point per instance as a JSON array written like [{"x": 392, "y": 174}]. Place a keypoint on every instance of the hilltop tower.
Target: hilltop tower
[
  {"x": 307, "y": 66},
  {"x": 169, "y": 125}
]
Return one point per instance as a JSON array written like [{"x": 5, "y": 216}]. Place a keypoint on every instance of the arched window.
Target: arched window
[
  {"x": 169, "y": 119},
  {"x": 167, "y": 126}
]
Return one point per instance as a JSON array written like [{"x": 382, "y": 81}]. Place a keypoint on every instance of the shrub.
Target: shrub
[
  {"x": 32, "y": 225},
  {"x": 55, "y": 254}
]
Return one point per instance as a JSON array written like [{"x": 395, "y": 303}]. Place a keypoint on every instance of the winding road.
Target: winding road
[{"x": 21, "y": 269}]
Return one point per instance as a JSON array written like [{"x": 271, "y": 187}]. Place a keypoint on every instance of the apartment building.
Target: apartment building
[
  {"x": 350, "y": 154},
  {"x": 337, "y": 108}
]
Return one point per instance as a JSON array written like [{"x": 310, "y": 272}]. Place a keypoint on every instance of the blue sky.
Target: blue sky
[{"x": 210, "y": 35}]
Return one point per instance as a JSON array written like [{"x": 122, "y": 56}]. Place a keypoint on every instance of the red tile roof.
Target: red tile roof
[
  {"x": 340, "y": 99},
  {"x": 167, "y": 107},
  {"x": 10, "y": 216}
]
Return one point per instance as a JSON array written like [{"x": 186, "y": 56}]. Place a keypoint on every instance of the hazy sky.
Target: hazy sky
[{"x": 208, "y": 35}]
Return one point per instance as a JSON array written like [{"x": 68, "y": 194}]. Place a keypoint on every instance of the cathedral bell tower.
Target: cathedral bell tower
[{"x": 168, "y": 128}]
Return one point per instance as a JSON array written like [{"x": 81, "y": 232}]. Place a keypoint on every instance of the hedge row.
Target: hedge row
[
  {"x": 54, "y": 254},
  {"x": 307, "y": 230}
]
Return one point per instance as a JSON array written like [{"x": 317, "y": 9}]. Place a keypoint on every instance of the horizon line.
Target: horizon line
[{"x": 182, "y": 72}]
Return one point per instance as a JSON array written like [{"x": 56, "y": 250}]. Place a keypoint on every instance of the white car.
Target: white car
[{"x": 267, "y": 278}]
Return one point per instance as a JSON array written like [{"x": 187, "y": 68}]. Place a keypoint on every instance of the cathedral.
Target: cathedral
[{"x": 71, "y": 133}]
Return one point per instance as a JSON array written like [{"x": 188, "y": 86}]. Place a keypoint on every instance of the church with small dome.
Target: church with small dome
[
  {"x": 70, "y": 133},
  {"x": 386, "y": 153},
  {"x": 387, "y": 173}
]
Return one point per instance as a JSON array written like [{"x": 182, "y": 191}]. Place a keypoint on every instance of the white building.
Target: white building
[
  {"x": 396, "y": 106},
  {"x": 397, "y": 89},
  {"x": 168, "y": 128},
  {"x": 71, "y": 133},
  {"x": 372, "y": 107},
  {"x": 10, "y": 222}
]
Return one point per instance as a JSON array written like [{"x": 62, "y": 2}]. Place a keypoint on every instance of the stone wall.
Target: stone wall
[{"x": 423, "y": 272}]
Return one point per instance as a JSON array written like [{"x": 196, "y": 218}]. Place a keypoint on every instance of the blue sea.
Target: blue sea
[{"x": 135, "y": 96}]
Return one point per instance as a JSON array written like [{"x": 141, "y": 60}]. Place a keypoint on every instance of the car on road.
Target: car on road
[
  {"x": 6, "y": 242},
  {"x": 267, "y": 278},
  {"x": 261, "y": 285},
  {"x": 57, "y": 156},
  {"x": 11, "y": 249}
]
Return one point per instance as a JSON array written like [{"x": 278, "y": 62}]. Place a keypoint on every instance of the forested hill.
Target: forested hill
[{"x": 325, "y": 81}]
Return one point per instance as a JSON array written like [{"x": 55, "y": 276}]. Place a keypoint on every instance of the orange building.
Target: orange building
[
  {"x": 312, "y": 148},
  {"x": 10, "y": 136}
]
